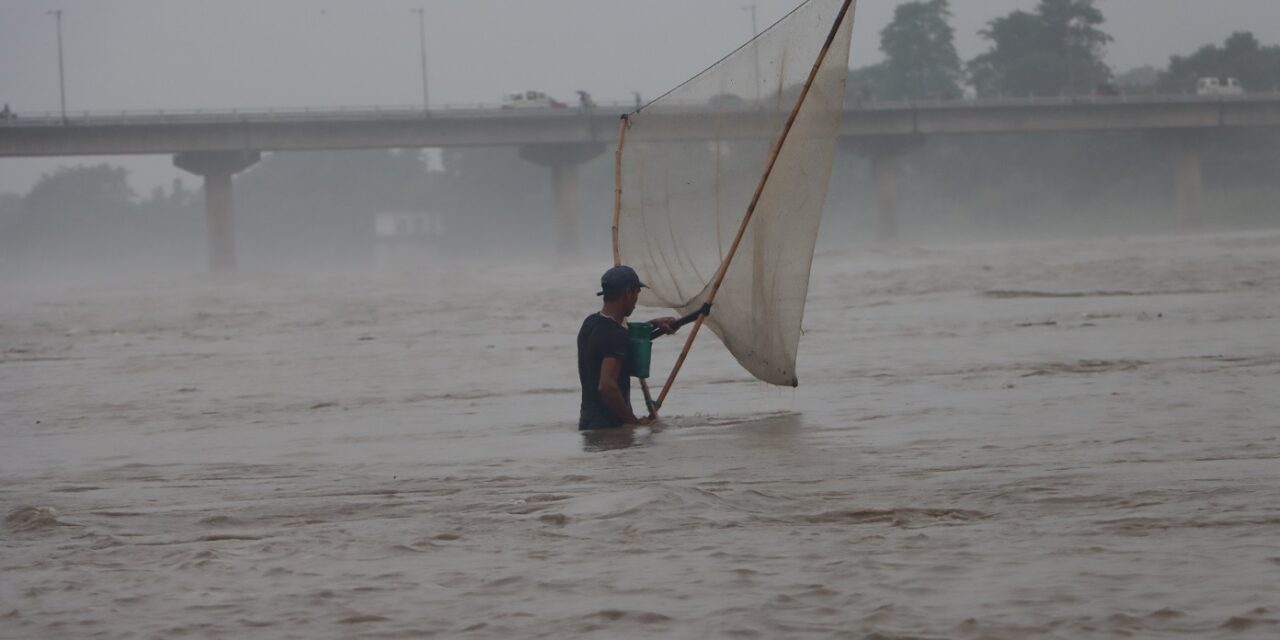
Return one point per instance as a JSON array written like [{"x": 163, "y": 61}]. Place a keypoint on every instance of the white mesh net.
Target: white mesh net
[{"x": 690, "y": 167}]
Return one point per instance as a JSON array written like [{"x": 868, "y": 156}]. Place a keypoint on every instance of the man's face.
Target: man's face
[{"x": 632, "y": 297}]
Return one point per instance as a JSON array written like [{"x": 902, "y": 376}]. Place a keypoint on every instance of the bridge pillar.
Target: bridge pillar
[
  {"x": 884, "y": 171},
  {"x": 1190, "y": 181},
  {"x": 564, "y": 181},
  {"x": 564, "y": 159},
  {"x": 884, "y": 153},
  {"x": 1186, "y": 150},
  {"x": 217, "y": 167}
]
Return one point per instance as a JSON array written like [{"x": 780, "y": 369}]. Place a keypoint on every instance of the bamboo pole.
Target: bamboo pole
[
  {"x": 649, "y": 404},
  {"x": 617, "y": 251},
  {"x": 755, "y": 199},
  {"x": 617, "y": 188}
]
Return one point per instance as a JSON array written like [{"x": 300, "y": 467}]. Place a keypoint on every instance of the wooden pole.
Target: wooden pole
[
  {"x": 617, "y": 252},
  {"x": 617, "y": 188},
  {"x": 649, "y": 404},
  {"x": 755, "y": 199}
]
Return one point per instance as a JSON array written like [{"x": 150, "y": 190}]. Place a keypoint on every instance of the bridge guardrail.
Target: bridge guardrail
[
  {"x": 197, "y": 116},
  {"x": 1049, "y": 101},
  {"x": 394, "y": 112}
]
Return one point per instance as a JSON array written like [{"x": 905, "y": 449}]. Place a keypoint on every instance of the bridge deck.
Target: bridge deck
[{"x": 158, "y": 132}]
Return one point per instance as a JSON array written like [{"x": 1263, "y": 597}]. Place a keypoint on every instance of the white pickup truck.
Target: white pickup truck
[
  {"x": 1215, "y": 87},
  {"x": 531, "y": 100}
]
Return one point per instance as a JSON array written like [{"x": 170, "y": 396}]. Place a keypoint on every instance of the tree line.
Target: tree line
[
  {"x": 1056, "y": 49},
  {"x": 293, "y": 208}
]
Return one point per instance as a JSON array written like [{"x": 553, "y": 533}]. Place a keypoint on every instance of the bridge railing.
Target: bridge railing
[
  {"x": 1050, "y": 101},
  {"x": 478, "y": 110},
  {"x": 276, "y": 114}
]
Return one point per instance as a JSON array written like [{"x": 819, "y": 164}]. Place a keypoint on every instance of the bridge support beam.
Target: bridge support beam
[
  {"x": 564, "y": 181},
  {"x": 1186, "y": 149},
  {"x": 884, "y": 172},
  {"x": 1190, "y": 186},
  {"x": 217, "y": 167},
  {"x": 884, "y": 154},
  {"x": 564, "y": 159}
]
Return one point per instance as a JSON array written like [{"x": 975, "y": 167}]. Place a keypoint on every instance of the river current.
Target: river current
[{"x": 1057, "y": 440}]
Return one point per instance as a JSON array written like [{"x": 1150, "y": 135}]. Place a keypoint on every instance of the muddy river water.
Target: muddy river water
[{"x": 1059, "y": 440}]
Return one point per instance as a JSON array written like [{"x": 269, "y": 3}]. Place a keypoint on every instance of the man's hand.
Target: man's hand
[{"x": 665, "y": 325}]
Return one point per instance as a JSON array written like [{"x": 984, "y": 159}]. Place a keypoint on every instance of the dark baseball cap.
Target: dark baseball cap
[{"x": 619, "y": 278}]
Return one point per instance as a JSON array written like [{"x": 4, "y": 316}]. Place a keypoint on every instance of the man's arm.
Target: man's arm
[
  {"x": 665, "y": 325},
  {"x": 612, "y": 395},
  {"x": 668, "y": 326}
]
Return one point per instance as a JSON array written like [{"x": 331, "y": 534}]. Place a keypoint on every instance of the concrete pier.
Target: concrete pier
[
  {"x": 217, "y": 167},
  {"x": 564, "y": 160},
  {"x": 884, "y": 154},
  {"x": 564, "y": 180},
  {"x": 1185, "y": 149},
  {"x": 884, "y": 172},
  {"x": 1189, "y": 170}
]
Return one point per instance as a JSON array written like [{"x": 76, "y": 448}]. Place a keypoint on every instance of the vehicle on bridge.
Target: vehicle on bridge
[
  {"x": 1215, "y": 87},
  {"x": 1107, "y": 89},
  {"x": 531, "y": 100}
]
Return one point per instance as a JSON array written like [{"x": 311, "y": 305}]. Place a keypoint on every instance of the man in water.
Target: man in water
[{"x": 604, "y": 354}]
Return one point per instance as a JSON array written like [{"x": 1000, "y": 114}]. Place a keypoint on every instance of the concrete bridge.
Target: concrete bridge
[{"x": 218, "y": 144}]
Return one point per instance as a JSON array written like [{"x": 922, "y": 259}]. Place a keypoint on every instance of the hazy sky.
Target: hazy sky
[{"x": 188, "y": 54}]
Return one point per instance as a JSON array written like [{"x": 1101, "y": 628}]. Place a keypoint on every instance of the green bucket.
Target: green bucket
[{"x": 641, "y": 348}]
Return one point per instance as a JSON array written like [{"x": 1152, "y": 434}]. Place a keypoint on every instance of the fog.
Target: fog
[
  {"x": 189, "y": 55},
  {"x": 1037, "y": 371}
]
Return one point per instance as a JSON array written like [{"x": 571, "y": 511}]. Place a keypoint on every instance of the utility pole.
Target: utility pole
[
  {"x": 755, "y": 48},
  {"x": 62, "y": 81},
  {"x": 422, "y": 47},
  {"x": 1071, "y": 66}
]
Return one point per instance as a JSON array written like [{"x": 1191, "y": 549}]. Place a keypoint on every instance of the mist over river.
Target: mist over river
[{"x": 1073, "y": 439}]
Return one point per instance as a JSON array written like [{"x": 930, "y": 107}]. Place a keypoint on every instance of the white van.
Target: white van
[
  {"x": 1214, "y": 87},
  {"x": 531, "y": 100}
]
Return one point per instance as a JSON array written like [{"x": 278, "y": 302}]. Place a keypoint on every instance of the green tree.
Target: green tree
[
  {"x": 297, "y": 207},
  {"x": 1016, "y": 60},
  {"x": 1056, "y": 50},
  {"x": 1241, "y": 56},
  {"x": 1072, "y": 28},
  {"x": 10, "y": 213},
  {"x": 1139, "y": 80},
  {"x": 868, "y": 83},
  {"x": 84, "y": 217},
  {"x": 920, "y": 53},
  {"x": 322, "y": 183},
  {"x": 81, "y": 191}
]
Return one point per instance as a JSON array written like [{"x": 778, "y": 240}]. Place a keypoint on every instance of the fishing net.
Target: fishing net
[{"x": 691, "y": 164}]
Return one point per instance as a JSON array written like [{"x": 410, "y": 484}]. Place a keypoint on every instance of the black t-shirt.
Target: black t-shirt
[{"x": 598, "y": 339}]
